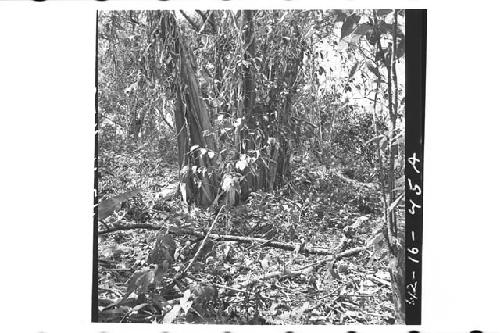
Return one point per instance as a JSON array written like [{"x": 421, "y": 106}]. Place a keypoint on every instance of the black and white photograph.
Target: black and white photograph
[
  {"x": 250, "y": 167},
  {"x": 233, "y": 165}
]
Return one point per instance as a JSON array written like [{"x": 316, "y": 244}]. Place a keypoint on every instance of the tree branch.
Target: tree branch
[
  {"x": 190, "y": 20},
  {"x": 206, "y": 19},
  {"x": 200, "y": 247},
  {"x": 285, "y": 272},
  {"x": 241, "y": 239}
]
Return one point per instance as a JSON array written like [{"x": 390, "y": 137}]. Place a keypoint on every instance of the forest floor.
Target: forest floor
[{"x": 269, "y": 260}]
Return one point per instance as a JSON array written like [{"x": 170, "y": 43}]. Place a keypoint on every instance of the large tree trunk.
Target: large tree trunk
[
  {"x": 282, "y": 153},
  {"x": 195, "y": 138},
  {"x": 196, "y": 118},
  {"x": 244, "y": 141}
]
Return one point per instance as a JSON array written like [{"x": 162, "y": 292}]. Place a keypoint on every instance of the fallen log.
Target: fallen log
[{"x": 241, "y": 239}]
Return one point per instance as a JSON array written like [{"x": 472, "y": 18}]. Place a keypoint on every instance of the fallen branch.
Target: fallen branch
[
  {"x": 285, "y": 272},
  {"x": 180, "y": 275},
  {"x": 241, "y": 239},
  {"x": 200, "y": 247},
  {"x": 354, "y": 182},
  {"x": 130, "y": 227}
]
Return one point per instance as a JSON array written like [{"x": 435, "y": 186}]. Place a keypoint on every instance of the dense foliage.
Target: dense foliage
[{"x": 250, "y": 162}]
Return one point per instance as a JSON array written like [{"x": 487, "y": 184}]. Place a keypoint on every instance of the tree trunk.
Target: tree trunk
[
  {"x": 244, "y": 142},
  {"x": 395, "y": 241},
  {"x": 195, "y": 137},
  {"x": 290, "y": 73}
]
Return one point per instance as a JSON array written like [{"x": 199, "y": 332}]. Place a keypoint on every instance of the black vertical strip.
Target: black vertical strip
[
  {"x": 415, "y": 54},
  {"x": 94, "y": 261}
]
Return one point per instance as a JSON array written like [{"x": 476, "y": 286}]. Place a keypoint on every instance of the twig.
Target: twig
[
  {"x": 203, "y": 242},
  {"x": 379, "y": 280},
  {"x": 181, "y": 274}
]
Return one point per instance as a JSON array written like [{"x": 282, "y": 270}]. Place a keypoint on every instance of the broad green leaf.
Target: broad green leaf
[
  {"x": 353, "y": 69},
  {"x": 384, "y": 27},
  {"x": 241, "y": 164},
  {"x": 348, "y": 26},
  {"x": 186, "y": 295},
  {"x": 395, "y": 203},
  {"x": 140, "y": 281},
  {"x": 186, "y": 306},
  {"x": 138, "y": 307},
  {"x": 170, "y": 316},
  {"x": 373, "y": 69},
  {"x": 227, "y": 182},
  {"x": 363, "y": 29},
  {"x": 237, "y": 122},
  {"x": 185, "y": 303},
  {"x": 383, "y": 143}
]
